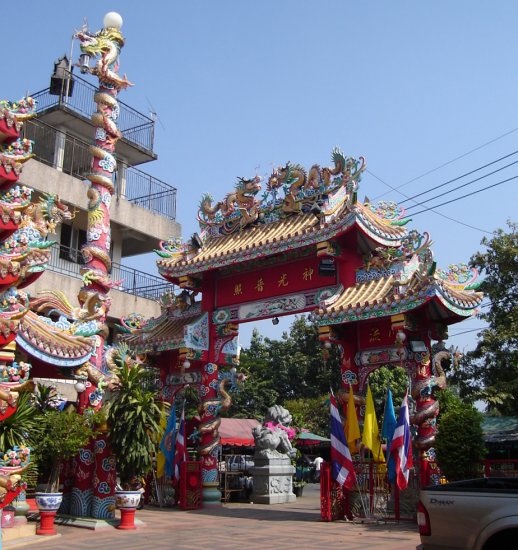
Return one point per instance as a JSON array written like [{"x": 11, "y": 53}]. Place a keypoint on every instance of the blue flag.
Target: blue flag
[
  {"x": 387, "y": 431},
  {"x": 168, "y": 442}
]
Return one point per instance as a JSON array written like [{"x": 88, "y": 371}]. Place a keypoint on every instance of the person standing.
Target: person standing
[{"x": 317, "y": 463}]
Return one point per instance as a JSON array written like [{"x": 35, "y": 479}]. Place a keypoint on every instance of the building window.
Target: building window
[{"x": 72, "y": 239}]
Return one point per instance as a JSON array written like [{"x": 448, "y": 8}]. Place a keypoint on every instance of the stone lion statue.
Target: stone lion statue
[
  {"x": 278, "y": 415},
  {"x": 272, "y": 438}
]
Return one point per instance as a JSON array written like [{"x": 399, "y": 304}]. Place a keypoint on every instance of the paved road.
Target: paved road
[{"x": 238, "y": 526}]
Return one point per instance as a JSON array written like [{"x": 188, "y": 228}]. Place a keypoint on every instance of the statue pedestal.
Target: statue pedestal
[{"x": 273, "y": 481}]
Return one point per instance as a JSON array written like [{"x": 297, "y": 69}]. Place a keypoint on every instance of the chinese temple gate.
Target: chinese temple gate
[{"x": 304, "y": 243}]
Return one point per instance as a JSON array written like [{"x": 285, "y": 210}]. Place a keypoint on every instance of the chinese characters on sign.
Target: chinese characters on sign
[
  {"x": 376, "y": 334},
  {"x": 275, "y": 281}
]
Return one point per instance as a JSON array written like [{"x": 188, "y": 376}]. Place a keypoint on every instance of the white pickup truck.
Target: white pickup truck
[{"x": 475, "y": 514}]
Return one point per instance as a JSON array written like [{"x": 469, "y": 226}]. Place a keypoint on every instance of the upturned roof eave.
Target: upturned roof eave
[
  {"x": 427, "y": 296},
  {"x": 310, "y": 235}
]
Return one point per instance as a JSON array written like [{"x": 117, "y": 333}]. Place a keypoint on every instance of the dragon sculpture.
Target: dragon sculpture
[
  {"x": 206, "y": 209},
  {"x": 423, "y": 392},
  {"x": 335, "y": 185},
  {"x": 241, "y": 200},
  {"x": 92, "y": 308},
  {"x": 210, "y": 420},
  {"x": 107, "y": 44},
  {"x": 46, "y": 214},
  {"x": 321, "y": 177},
  {"x": 293, "y": 176}
]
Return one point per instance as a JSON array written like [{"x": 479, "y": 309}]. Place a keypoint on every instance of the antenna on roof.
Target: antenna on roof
[{"x": 154, "y": 115}]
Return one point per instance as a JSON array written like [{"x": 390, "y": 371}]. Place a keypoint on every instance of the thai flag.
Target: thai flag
[
  {"x": 342, "y": 468},
  {"x": 180, "y": 454},
  {"x": 401, "y": 446}
]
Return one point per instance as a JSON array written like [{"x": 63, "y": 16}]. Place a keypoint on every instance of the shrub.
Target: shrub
[{"x": 459, "y": 443}]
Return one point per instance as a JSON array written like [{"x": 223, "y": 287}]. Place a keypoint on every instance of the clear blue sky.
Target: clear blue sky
[{"x": 242, "y": 86}]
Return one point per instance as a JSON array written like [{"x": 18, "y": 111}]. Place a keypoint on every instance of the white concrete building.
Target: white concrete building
[{"x": 143, "y": 209}]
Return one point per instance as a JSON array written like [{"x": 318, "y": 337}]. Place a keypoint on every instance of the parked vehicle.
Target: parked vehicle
[{"x": 475, "y": 514}]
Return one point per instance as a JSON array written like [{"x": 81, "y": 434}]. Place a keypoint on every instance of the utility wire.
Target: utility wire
[
  {"x": 446, "y": 163},
  {"x": 437, "y": 213},
  {"x": 460, "y": 186},
  {"x": 465, "y": 196},
  {"x": 463, "y": 176},
  {"x": 465, "y": 332}
]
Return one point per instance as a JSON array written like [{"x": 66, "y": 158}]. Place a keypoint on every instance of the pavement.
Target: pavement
[{"x": 235, "y": 525}]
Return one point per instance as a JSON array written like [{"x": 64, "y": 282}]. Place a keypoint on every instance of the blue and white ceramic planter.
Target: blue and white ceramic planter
[
  {"x": 48, "y": 502},
  {"x": 127, "y": 499}
]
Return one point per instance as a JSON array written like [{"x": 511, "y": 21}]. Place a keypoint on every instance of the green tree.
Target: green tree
[
  {"x": 379, "y": 380},
  {"x": 311, "y": 413},
  {"x": 459, "y": 443},
  {"x": 258, "y": 391},
  {"x": 294, "y": 367},
  {"x": 490, "y": 372}
]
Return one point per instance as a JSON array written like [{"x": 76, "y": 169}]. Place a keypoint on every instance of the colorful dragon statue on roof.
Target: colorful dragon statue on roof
[
  {"x": 239, "y": 204},
  {"x": 301, "y": 192}
]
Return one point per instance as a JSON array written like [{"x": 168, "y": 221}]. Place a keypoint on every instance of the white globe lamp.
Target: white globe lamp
[{"x": 112, "y": 20}]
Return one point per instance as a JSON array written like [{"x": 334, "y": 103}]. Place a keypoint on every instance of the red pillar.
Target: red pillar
[
  {"x": 427, "y": 409},
  {"x": 209, "y": 398},
  {"x": 209, "y": 443}
]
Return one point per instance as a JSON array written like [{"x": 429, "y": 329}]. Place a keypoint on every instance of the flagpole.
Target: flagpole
[{"x": 367, "y": 514}]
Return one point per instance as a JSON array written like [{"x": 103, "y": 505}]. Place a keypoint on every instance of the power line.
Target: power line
[
  {"x": 465, "y": 196},
  {"x": 465, "y": 332},
  {"x": 460, "y": 186},
  {"x": 437, "y": 213},
  {"x": 463, "y": 176},
  {"x": 445, "y": 163}
]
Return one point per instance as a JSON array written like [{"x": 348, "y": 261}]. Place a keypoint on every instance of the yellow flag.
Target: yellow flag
[
  {"x": 371, "y": 436},
  {"x": 160, "y": 458},
  {"x": 352, "y": 428}
]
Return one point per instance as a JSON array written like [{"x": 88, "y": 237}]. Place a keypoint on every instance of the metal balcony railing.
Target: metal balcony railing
[
  {"x": 72, "y": 156},
  {"x": 74, "y": 93},
  {"x": 67, "y": 261}
]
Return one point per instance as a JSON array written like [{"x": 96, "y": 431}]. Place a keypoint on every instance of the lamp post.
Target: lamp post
[
  {"x": 104, "y": 45},
  {"x": 94, "y": 490}
]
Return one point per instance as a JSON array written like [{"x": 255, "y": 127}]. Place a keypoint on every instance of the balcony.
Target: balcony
[
  {"x": 67, "y": 261},
  {"x": 72, "y": 156},
  {"x": 72, "y": 93}
]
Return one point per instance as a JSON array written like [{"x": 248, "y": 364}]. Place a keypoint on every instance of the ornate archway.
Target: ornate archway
[{"x": 308, "y": 245}]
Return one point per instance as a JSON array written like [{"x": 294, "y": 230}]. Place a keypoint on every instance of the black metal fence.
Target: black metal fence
[
  {"x": 67, "y": 261},
  {"x": 74, "y": 93},
  {"x": 136, "y": 186}
]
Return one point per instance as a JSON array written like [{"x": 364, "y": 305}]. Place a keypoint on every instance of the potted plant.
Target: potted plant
[
  {"x": 60, "y": 437},
  {"x": 298, "y": 462},
  {"x": 16, "y": 434},
  {"x": 298, "y": 486},
  {"x": 133, "y": 427}
]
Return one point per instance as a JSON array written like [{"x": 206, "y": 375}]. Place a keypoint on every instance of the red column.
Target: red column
[
  {"x": 427, "y": 409},
  {"x": 209, "y": 433},
  {"x": 209, "y": 398}
]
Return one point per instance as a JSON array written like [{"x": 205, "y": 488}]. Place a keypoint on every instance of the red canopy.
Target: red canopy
[{"x": 237, "y": 431}]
